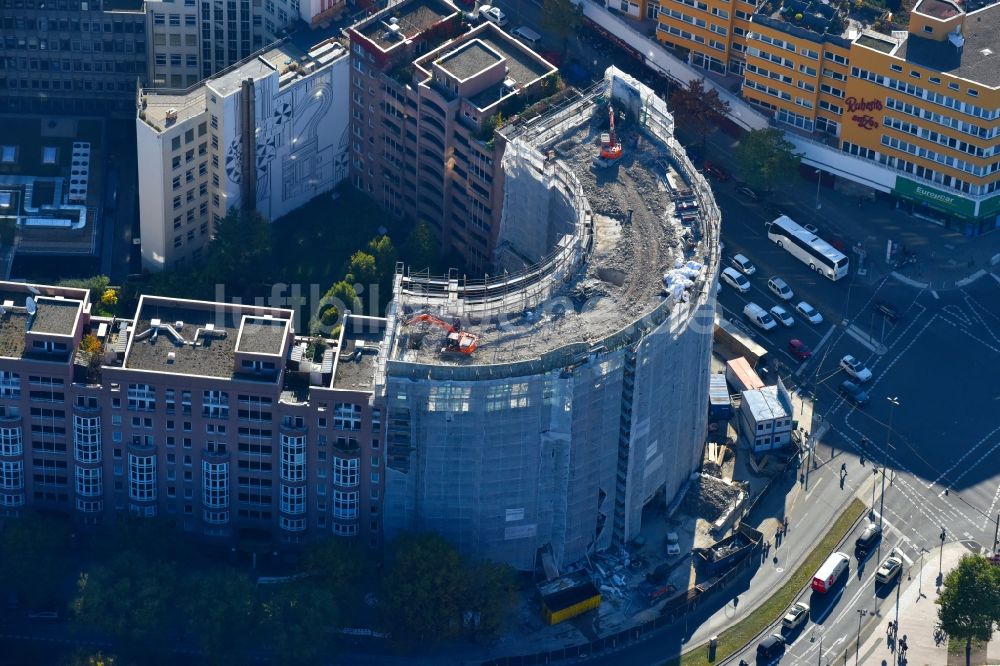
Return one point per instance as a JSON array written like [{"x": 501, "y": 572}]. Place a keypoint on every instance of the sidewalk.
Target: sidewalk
[
  {"x": 918, "y": 615},
  {"x": 946, "y": 259}
]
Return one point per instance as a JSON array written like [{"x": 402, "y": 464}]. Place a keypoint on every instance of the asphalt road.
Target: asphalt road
[{"x": 936, "y": 362}]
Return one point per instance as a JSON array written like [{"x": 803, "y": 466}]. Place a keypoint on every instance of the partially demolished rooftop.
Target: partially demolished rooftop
[{"x": 584, "y": 252}]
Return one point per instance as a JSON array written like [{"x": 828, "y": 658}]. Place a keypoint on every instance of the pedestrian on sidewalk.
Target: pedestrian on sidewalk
[{"x": 785, "y": 525}]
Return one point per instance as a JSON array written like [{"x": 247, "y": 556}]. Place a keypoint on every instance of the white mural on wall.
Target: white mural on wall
[{"x": 302, "y": 141}]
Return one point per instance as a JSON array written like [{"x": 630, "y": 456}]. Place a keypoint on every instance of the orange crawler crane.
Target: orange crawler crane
[
  {"x": 611, "y": 149},
  {"x": 458, "y": 340}
]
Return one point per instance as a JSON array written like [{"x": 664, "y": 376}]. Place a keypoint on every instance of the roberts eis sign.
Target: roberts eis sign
[{"x": 935, "y": 198}]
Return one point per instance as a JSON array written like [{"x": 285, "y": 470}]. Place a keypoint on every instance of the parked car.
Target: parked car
[
  {"x": 747, "y": 192},
  {"x": 770, "y": 647},
  {"x": 855, "y": 368},
  {"x": 493, "y": 15},
  {"x": 759, "y": 317},
  {"x": 735, "y": 279},
  {"x": 716, "y": 171},
  {"x": 742, "y": 264},
  {"x": 809, "y": 312},
  {"x": 796, "y": 616},
  {"x": 799, "y": 350},
  {"x": 527, "y": 35},
  {"x": 780, "y": 289},
  {"x": 889, "y": 570},
  {"x": 887, "y": 310},
  {"x": 853, "y": 392},
  {"x": 782, "y": 315},
  {"x": 867, "y": 540}
]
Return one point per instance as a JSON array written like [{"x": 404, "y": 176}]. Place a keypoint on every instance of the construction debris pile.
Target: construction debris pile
[{"x": 709, "y": 498}]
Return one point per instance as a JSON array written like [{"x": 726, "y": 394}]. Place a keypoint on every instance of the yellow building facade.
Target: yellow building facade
[{"x": 925, "y": 105}]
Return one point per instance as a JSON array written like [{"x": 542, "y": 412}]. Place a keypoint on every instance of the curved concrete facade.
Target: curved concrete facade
[{"x": 574, "y": 413}]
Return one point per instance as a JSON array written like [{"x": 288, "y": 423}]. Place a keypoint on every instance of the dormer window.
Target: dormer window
[{"x": 47, "y": 346}]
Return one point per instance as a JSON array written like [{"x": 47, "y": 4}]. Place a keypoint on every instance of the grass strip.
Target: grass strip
[{"x": 735, "y": 638}]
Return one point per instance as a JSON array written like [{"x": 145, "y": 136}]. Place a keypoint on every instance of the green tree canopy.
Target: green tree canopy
[
  {"x": 222, "y": 611},
  {"x": 133, "y": 599},
  {"x": 421, "y": 250},
  {"x": 97, "y": 285},
  {"x": 33, "y": 551},
  {"x": 491, "y": 596},
  {"x": 385, "y": 257},
  {"x": 335, "y": 564},
  {"x": 561, "y": 18},
  {"x": 697, "y": 108},
  {"x": 362, "y": 269},
  {"x": 424, "y": 590},
  {"x": 767, "y": 159},
  {"x": 298, "y": 620},
  {"x": 240, "y": 252},
  {"x": 969, "y": 602},
  {"x": 339, "y": 297}
]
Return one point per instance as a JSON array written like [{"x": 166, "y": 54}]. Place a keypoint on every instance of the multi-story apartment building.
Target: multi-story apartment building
[
  {"x": 80, "y": 58},
  {"x": 921, "y": 102},
  {"x": 713, "y": 32},
  {"x": 269, "y": 134},
  {"x": 425, "y": 94},
  {"x": 214, "y": 415},
  {"x": 85, "y": 58},
  {"x": 194, "y": 39}
]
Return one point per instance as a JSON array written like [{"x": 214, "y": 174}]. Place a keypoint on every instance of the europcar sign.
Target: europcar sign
[{"x": 935, "y": 198}]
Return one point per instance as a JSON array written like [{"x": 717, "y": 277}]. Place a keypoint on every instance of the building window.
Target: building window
[
  {"x": 347, "y": 416},
  {"x": 89, "y": 482},
  {"x": 141, "y": 397},
  {"x": 345, "y": 504},
  {"x": 11, "y": 475},
  {"x": 10, "y": 441},
  {"x": 348, "y": 530},
  {"x": 345, "y": 472},
  {"x": 215, "y": 404},
  {"x": 215, "y": 485},
  {"x": 293, "y": 499},
  {"x": 87, "y": 439},
  {"x": 141, "y": 477},
  {"x": 10, "y": 384},
  {"x": 293, "y": 457}
]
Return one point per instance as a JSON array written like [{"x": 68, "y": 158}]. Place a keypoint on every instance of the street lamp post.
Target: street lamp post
[
  {"x": 857, "y": 650},
  {"x": 819, "y": 179},
  {"x": 899, "y": 584},
  {"x": 941, "y": 553},
  {"x": 920, "y": 576}
]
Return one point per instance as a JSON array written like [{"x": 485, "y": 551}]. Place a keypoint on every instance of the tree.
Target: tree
[
  {"x": 298, "y": 618},
  {"x": 223, "y": 611},
  {"x": 90, "y": 344},
  {"x": 339, "y": 297},
  {"x": 491, "y": 596},
  {"x": 132, "y": 598},
  {"x": 766, "y": 158},
  {"x": 425, "y": 590},
  {"x": 362, "y": 269},
  {"x": 109, "y": 298},
  {"x": 561, "y": 18},
  {"x": 97, "y": 285},
  {"x": 33, "y": 550},
  {"x": 335, "y": 564},
  {"x": 698, "y": 109},
  {"x": 421, "y": 250},
  {"x": 970, "y": 601},
  {"x": 385, "y": 257},
  {"x": 240, "y": 252}
]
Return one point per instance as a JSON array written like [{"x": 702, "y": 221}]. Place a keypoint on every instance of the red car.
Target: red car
[
  {"x": 798, "y": 349},
  {"x": 717, "y": 172}
]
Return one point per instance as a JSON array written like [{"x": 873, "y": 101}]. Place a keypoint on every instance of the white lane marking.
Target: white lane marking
[
  {"x": 935, "y": 294},
  {"x": 995, "y": 277}
]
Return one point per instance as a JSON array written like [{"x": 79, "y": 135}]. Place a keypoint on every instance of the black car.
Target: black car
[
  {"x": 887, "y": 310},
  {"x": 770, "y": 647},
  {"x": 854, "y": 393},
  {"x": 747, "y": 192},
  {"x": 867, "y": 540}
]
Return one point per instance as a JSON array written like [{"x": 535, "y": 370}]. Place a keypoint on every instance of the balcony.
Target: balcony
[{"x": 215, "y": 517}]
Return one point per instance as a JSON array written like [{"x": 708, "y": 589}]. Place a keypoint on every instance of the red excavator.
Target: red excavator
[
  {"x": 457, "y": 340},
  {"x": 611, "y": 147}
]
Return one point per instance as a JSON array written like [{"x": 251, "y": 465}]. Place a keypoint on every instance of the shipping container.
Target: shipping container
[{"x": 720, "y": 405}]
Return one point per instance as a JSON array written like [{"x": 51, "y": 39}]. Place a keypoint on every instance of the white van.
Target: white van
[
  {"x": 760, "y": 317},
  {"x": 527, "y": 35},
  {"x": 831, "y": 571}
]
